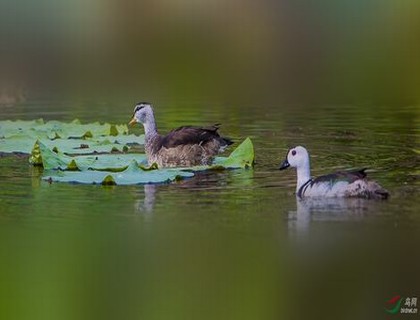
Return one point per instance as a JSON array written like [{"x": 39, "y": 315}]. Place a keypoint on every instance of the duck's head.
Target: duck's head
[
  {"x": 297, "y": 157},
  {"x": 143, "y": 112}
]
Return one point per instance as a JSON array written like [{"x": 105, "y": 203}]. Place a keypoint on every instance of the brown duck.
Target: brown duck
[{"x": 183, "y": 147}]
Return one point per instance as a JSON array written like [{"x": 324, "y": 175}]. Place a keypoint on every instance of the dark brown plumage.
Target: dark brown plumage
[{"x": 193, "y": 135}]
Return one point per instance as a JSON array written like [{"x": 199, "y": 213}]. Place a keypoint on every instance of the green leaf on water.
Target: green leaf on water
[
  {"x": 42, "y": 155},
  {"x": 125, "y": 169},
  {"x": 19, "y": 143},
  {"x": 241, "y": 158},
  {"x": 133, "y": 174},
  {"x": 81, "y": 153},
  {"x": 50, "y": 160},
  {"x": 70, "y": 138}
]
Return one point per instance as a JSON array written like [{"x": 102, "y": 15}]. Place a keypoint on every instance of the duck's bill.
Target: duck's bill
[
  {"x": 284, "y": 165},
  {"x": 132, "y": 122}
]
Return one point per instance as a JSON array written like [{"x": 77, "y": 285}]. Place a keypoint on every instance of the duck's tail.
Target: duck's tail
[
  {"x": 375, "y": 191},
  {"x": 364, "y": 188},
  {"x": 226, "y": 141}
]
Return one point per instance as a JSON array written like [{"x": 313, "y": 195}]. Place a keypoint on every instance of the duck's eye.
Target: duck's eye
[{"x": 293, "y": 152}]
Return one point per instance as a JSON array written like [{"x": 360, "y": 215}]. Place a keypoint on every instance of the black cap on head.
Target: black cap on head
[{"x": 140, "y": 105}]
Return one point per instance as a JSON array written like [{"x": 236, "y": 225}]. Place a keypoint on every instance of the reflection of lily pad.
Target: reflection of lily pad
[
  {"x": 133, "y": 174},
  {"x": 70, "y": 138}
]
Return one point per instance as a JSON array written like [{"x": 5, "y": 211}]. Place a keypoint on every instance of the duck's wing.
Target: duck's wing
[
  {"x": 348, "y": 176},
  {"x": 192, "y": 135}
]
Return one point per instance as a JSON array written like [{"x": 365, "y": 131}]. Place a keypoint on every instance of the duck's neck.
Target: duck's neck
[
  {"x": 303, "y": 175},
  {"x": 151, "y": 136},
  {"x": 150, "y": 130}
]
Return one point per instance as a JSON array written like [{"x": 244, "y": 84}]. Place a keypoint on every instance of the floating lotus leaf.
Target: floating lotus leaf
[
  {"x": 10, "y": 128},
  {"x": 55, "y": 129},
  {"x": 127, "y": 139},
  {"x": 70, "y": 138},
  {"x": 240, "y": 158},
  {"x": 19, "y": 143},
  {"x": 124, "y": 168},
  {"x": 43, "y": 155},
  {"x": 24, "y": 144},
  {"x": 133, "y": 174},
  {"x": 81, "y": 153}
]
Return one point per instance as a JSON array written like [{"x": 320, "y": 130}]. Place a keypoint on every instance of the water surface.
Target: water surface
[{"x": 222, "y": 245}]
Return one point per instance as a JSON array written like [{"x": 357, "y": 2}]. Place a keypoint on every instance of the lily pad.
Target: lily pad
[
  {"x": 240, "y": 158},
  {"x": 50, "y": 160},
  {"x": 19, "y": 143},
  {"x": 24, "y": 144},
  {"x": 70, "y": 138},
  {"x": 125, "y": 168},
  {"x": 52, "y": 129},
  {"x": 133, "y": 174},
  {"x": 127, "y": 139}
]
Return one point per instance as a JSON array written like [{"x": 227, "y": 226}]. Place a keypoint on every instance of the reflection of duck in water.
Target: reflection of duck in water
[
  {"x": 325, "y": 209},
  {"x": 183, "y": 147},
  {"x": 217, "y": 182},
  {"x": 313, "y": 217},
  {"x": 149, "y": 198},
  {"x": 339, "y": 184}
]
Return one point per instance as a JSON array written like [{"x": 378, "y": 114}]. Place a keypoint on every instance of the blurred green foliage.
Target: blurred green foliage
[{"x": 237, "y": 52}]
